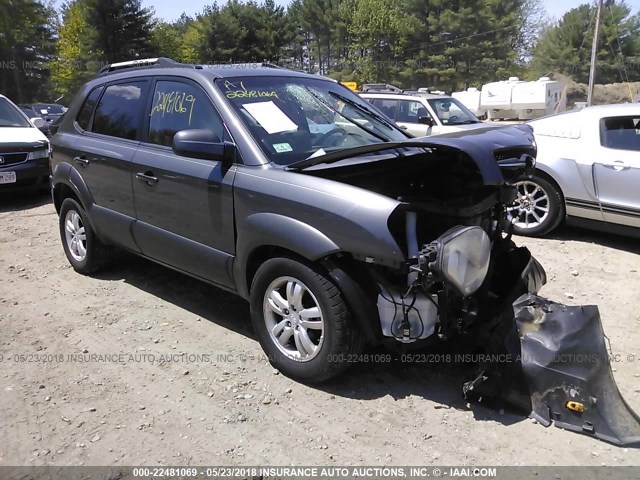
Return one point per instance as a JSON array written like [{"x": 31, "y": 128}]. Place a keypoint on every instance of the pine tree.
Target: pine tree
[
  {"x": 119, "y": 30},
  {"x": 565, "y": 47}
]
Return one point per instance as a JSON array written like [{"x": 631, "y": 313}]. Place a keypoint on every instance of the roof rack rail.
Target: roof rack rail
[
  {"x": 143, "y": 63},
  {"x": 381, "y": 87},
  {"x": 241, "y": 65}
]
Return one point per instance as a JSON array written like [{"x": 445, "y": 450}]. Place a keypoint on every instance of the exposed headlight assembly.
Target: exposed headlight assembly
[
  {"x": 36, "y": 154},
  {"x": 461, "y": 257}
]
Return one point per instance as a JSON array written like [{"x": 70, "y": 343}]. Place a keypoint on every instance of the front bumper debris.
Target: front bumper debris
[{"x": 567, "y": 370}]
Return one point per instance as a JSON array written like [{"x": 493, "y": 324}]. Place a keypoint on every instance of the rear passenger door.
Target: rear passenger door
[
  {"x": 184, "y": 206},
  {"x": 617, "y": 170},
  {"x": 110, "y": 125}
]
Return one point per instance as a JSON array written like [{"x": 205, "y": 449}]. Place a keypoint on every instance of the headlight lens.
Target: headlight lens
[
  {"x": 38, "y": 154},
  {"x": 463, "y": 258}
]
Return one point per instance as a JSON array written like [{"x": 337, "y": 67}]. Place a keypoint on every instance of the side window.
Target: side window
[
  {"x": 621, "y": 133},
  {"x": 119, "y": 111},
  {"x": 410, "y": 111},
  {"x": 180, "y": 106},
  {"x": 84, "y": 117},
  {"x": 388, "y": 107}
]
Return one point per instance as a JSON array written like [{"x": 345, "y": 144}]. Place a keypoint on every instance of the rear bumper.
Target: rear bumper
[{"x": 30, "y": 174}]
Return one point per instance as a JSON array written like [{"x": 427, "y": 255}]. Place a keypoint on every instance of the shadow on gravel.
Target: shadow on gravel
[
  {"x": 201, "y": 299},
  {"x": 606, "y": 239},
  {"x": 18, "y": 201},
  {"x": 440, "y": 382}
]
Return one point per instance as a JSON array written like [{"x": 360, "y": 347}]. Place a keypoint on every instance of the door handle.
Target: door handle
[
  {"x": 618, "y": 165},
  {"x": 82, "y": 161},
  {"x": 147, "y": 177}
]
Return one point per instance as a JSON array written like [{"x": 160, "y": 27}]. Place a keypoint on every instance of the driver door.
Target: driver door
[{"x": 617, "y": 170}]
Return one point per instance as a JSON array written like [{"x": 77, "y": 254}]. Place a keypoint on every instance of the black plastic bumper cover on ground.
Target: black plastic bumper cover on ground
[{"x": 565, "y": 359}]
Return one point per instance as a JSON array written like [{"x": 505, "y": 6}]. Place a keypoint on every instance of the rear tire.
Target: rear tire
[
  {"x": 301, "y": 320},
  {"x": 539, "y": 208},
  {"x": 84, "y": 250}
]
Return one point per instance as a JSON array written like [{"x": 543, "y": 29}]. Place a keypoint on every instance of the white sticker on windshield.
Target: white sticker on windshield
[
  {"x": 282, "y": 147},
  {"x": 270, "y": 117},
  {"x": 318, "y": 153}
]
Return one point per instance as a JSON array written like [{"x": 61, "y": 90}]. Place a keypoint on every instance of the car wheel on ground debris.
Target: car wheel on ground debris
[
  {"x": 84, "y": 250},
  {"x": 301, "y": 320},
  {"x": 539, "y": 208}
]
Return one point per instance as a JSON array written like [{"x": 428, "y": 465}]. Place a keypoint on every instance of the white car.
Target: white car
[
  {"x": 24, "y": 150},
  {"x": 424, "y": 114},
  {"x": 587, "y": 172}
]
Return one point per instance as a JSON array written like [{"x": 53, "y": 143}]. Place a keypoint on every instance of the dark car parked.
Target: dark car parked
[
  {"x": 29, "y": 112},
  {"x": 294, "y": 193},
  {"x": 24, "y": 151},
  {"x": 50, "y": 112}
]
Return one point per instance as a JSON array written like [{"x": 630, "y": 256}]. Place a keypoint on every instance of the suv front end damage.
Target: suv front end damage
[{"x": 473, "y": 282}]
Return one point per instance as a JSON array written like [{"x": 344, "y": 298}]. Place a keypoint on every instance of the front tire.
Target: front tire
[
  {"x": 84, "y": 250},
  {"x": 539, "y": 208},
  {"x": 301, "y": 320}
]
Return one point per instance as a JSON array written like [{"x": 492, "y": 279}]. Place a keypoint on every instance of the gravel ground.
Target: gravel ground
[{"x": 146, "y": 366}]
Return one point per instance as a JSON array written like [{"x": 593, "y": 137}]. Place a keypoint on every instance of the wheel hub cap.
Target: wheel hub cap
[
  {"x": 293, "y": 318},
  {"x": 531, "y": 208},
  {"x": 75, "y": 235}
]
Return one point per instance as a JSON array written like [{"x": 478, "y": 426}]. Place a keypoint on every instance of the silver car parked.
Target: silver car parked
[{"x": 587, "y": 172}]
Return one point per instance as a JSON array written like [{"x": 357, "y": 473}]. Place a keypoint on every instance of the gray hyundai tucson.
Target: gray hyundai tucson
[{"x": 340, "y": 229}]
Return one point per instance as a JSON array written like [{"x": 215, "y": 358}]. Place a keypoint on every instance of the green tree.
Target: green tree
[
  {"x": 120, "y": 29},
  {"x": 323, "y": 24},
  {"x": 166, "y": 40},
  {"x": 27, "y": 29},
  {"x": 74, "y": 63},
  {"x": 565, "y": 47},
  {"x": 466, "y": 42},
  {"x": 379, "y": 33}
]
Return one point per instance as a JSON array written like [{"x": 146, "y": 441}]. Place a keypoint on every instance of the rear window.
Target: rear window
[
  {"x": 49, "y": 109},
  {"x": 620, "y": 133},
  {"x": 119, "y": 112},
  {"x": 84, "y": 117}
]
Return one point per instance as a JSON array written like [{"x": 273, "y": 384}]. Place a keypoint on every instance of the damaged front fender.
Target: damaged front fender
[{"x": 567, "y": 370}]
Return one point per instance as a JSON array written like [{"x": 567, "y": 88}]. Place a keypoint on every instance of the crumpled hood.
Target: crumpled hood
[{"x": 480, "y": 145}]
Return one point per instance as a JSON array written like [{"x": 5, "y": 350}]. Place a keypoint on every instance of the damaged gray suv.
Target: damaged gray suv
[{"x": 339, "y": 228}]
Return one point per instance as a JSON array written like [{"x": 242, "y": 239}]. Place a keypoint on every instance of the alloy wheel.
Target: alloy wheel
[
  {"x": 75, "y": 235},
  {"x": 531, "y": 208},
  {"x": 294, "y": 318}
]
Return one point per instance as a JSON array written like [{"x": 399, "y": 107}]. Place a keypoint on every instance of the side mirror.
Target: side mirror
[
  {"x": 38, "y": 122},
  {"x": 425, "y": 121},
  {"x": 203, "y": 144}
]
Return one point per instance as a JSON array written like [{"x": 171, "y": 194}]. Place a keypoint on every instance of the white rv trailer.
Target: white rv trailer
[
  {"x": 539, "y": 98},
  {"x": 470, "y": 98},
  {"x": 496, "y": 99}
]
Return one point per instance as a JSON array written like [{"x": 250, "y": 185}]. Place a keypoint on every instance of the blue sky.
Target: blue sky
[{"x": 171, "y": 9}]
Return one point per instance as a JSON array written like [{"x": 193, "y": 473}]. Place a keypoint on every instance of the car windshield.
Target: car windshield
[
  {"x": 451, "y": 112},
  {"x": 295, "y": 118},
  {"x": 10, "y": 116},
  {"x": 48, "y": 109}
]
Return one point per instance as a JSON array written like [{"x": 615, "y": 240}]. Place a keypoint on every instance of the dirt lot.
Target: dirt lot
[{"x": 209, "y": 397}]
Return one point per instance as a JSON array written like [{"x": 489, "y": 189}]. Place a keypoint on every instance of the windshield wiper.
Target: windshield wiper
[
  {"x": 346, "y": 117},
  {"x": 356, "y": 151}
]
